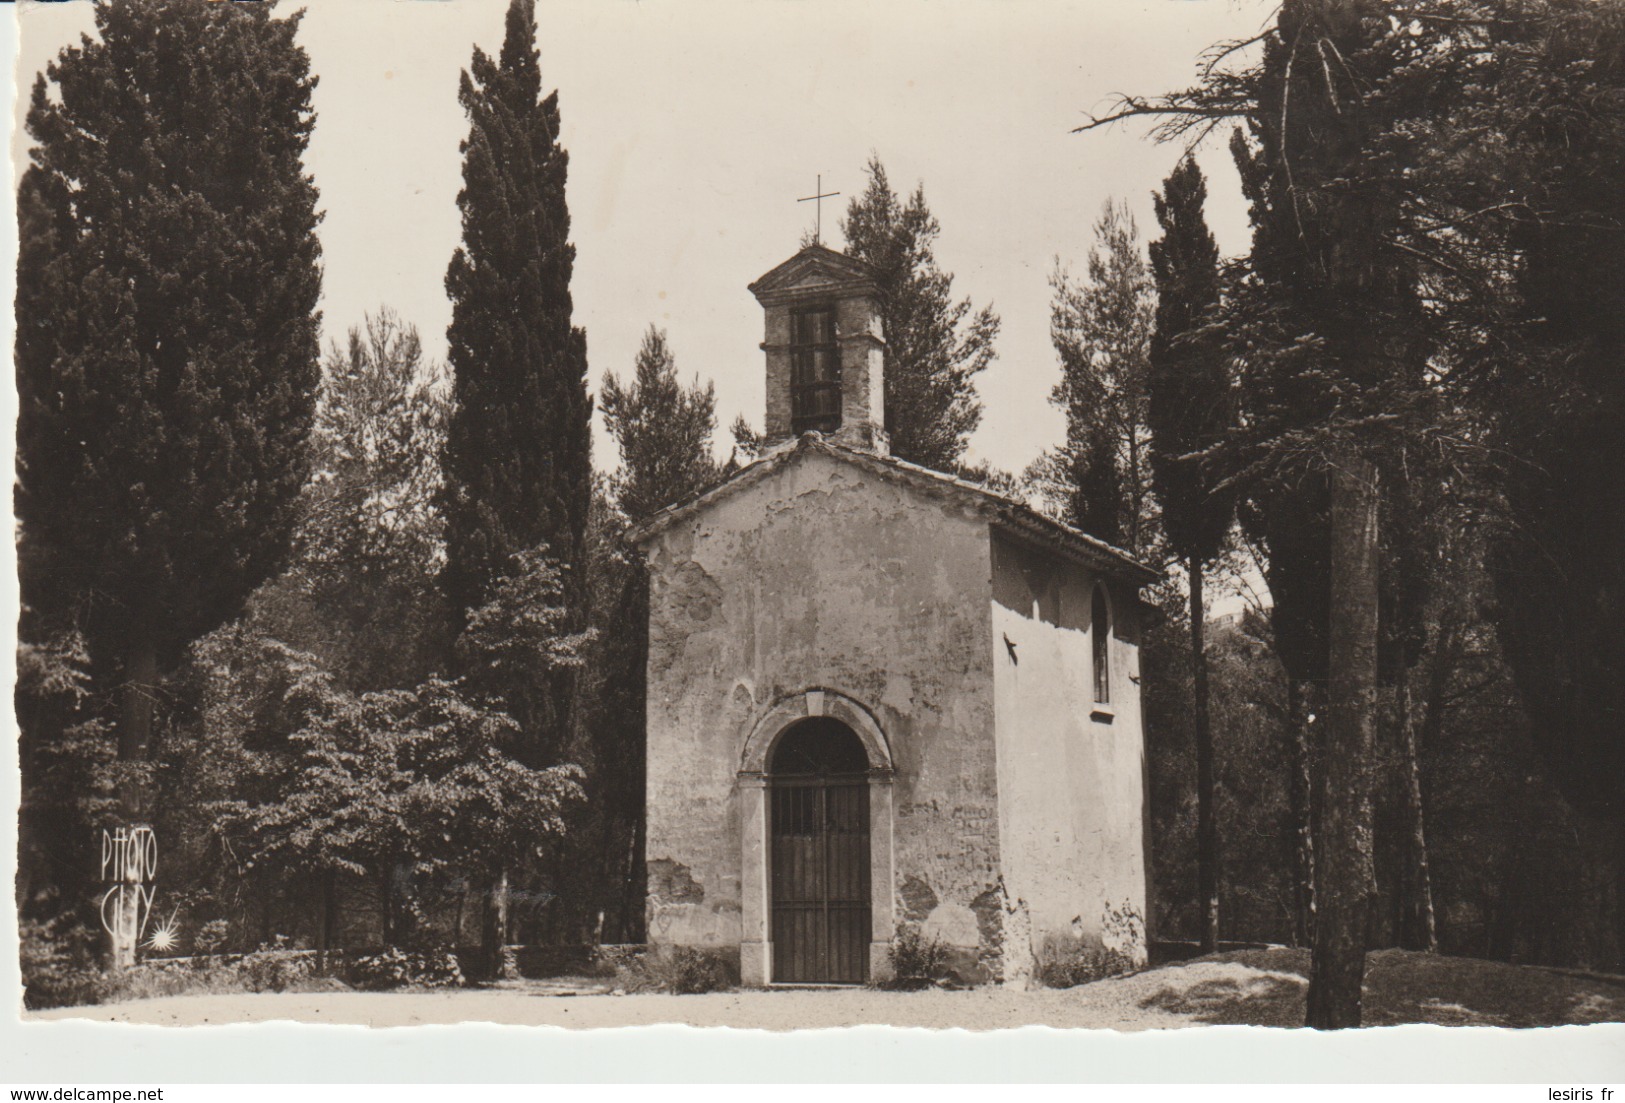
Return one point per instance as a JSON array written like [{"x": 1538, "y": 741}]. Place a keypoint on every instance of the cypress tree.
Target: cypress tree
[
  {"x": 167, "y": 343},
  {"x": 1187, "y": 412},
  {"x": 1095, "y": 482},
  {"x": 518, "y": 452},
  {"x": 1556, "y": 396}
]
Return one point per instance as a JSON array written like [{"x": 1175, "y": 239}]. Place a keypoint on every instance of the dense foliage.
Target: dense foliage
[
  {"x": 662, "y": 428},
  {"x": 935, "y": 347},
  {"x": 1435, "y": 208},
  {"x": 1101, "y": 329},
  {"x": 167, "y": 333}
]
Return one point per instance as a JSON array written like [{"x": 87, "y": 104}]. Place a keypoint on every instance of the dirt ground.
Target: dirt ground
[{"x": 1253, "y": 987}]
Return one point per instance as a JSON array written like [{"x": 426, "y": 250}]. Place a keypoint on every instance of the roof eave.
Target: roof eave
[
  {"x": 1092, "y": 553},
  {"x": 998, "y": 509}
]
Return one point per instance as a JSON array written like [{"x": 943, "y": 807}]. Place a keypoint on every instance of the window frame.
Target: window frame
[{"x": 1100, "y": 642}]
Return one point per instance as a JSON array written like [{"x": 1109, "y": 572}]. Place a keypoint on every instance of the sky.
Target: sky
[{"x": 693, "y": 128}]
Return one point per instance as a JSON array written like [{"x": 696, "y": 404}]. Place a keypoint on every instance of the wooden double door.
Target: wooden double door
[{"x": 819, "y": 827}]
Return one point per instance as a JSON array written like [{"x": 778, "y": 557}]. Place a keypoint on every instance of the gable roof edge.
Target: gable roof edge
[{"x": 998, "y": 509}]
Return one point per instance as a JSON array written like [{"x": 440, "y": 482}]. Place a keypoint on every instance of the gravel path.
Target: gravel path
[{"x": 1263, "y": 987}]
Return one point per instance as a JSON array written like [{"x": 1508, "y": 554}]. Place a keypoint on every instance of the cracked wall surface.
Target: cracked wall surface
[{"x": 823, "y": 575}]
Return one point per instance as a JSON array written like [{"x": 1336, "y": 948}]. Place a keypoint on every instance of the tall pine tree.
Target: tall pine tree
[
  {"x": 933, "y": 351},
  {"x": 1323, "y": 226},
  {"x": 663, "y": 430},
  {"x": 370, "y": 540},
  {"x": 518, "y": 461},
  {"x": 167, "y": 333},
  {"x": 1101, "y": 330},
  {"x": 1188, "y": 411}
]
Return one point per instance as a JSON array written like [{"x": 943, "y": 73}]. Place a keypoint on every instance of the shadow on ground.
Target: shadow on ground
[
  {"x": 1268, "y": 988},
  {"x": 1223, "y": 990}
]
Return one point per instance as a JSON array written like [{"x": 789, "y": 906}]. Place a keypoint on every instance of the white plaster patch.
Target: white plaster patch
[
  {"x": 1018, "y": 946},
  {"x": 954, "y": 924},
  {"x": 899, "y": 692}
]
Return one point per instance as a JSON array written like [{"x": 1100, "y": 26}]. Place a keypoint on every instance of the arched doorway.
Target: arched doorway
[{"x": 818, "y": 830}]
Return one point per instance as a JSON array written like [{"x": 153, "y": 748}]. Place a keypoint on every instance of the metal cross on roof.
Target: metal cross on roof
[{"x": 819, "y": 196}]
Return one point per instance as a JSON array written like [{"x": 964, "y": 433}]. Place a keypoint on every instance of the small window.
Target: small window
[
  {"x": 1100, "y": 631},
  {"x": 815, "y": 371}
]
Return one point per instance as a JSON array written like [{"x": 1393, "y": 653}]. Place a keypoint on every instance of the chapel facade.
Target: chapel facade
[{"x": 880, "y": 697}]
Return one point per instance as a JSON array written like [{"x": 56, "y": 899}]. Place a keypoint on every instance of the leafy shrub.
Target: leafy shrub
[
  {"x": 682, "y": 970},
  {"x": 274, "y": 967},
  {"x": 917, "y": 959},
  {"x": 1083, "y": 965},
  {"x": 60, "y": 969},
  {"x": 398, "y": 968},
  {"x": 58, "y": 964},
  {"x": 211, "y": 936},
  {"x": 1122, "y": 930},
  {"x": 151, "y": 979},
  {"x": 615, "y": 960}
]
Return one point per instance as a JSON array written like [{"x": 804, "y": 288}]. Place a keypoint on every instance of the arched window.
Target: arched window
[{"x": 1100, "y": 631}]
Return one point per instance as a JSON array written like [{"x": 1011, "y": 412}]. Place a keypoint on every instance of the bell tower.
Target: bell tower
[{"x": 825, "y": 350}]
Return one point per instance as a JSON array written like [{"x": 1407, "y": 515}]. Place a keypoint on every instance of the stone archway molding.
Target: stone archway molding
[
  {"x": 818, "y": 701},
  {"x": 750, "y": 793}
]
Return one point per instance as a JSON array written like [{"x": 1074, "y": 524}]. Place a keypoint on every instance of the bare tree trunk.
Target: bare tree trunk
[
  {"x": 1416, "y": 929},
  {"x": 1619, "y": 901},
  {"x": 1299, "y": 787},
  {"x": 1207, "y": 831},
  {"x": 387, "y": 899},
  {"x": 1446, "y": 654},
  {"x": 1137, "y": 493},
  {"x": 136, "y": 698},
  {"x": 1343, "y": 829},
  {"x": 462, "y": 910},
  {"x": 636, "y": 886},
  {"x": 607, "y": 864},
  {"x": 330, "y": 910},
  {"x": 494, "y": 927}
]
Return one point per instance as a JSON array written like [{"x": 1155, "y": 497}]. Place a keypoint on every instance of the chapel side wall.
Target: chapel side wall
[
  {"x": 823, "y": 576},
  {"x": 1071, "y": 774}
]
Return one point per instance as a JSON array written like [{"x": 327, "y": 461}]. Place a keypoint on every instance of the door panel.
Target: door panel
[{"x": 820, "y": 875}]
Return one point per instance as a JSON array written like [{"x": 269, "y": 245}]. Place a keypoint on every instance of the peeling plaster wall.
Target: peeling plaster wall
[
  {"x": 823, "y": 575},
  {"x": 1071, "y": 773}
]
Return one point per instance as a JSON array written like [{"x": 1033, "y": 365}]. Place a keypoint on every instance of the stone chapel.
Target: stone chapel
[{"x": 881, "y": 697}]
